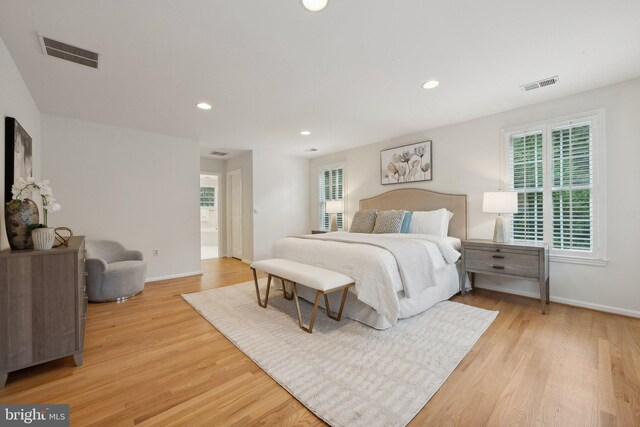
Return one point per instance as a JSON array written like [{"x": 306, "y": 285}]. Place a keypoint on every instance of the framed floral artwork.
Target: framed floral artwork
[{"x": 409, "y": 163}]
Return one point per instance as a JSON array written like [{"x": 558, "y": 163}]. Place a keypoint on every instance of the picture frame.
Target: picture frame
[
  {"x": 407, "y": 164},
  {"x": 18, "y": 155}
]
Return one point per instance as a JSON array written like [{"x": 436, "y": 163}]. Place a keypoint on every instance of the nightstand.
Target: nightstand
[
  {"x": 528, "y": 261},
  {"x": 319, "y": 231}
]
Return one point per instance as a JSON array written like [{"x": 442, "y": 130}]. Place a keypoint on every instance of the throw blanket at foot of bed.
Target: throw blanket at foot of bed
[
  {"x": 416, "y": 260},
  {"x": 375, "y": 270}
]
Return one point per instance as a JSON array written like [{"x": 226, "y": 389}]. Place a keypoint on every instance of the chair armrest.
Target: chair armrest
[
  {"x": 133, "y": 256},
  {"x": 95, "y": 266}
]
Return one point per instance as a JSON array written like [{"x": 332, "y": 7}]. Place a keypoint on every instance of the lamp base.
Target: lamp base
[
  {"x": 334, "y": 222},
  {"x": 499, "y": 231}
]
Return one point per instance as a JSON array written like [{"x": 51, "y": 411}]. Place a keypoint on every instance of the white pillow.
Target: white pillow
[{"x": 435, "y": 223}]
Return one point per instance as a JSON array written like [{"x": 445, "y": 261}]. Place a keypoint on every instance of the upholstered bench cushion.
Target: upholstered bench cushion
[{"x": 317, "y": 278}]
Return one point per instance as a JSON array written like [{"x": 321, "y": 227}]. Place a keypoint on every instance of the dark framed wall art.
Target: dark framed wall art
[{"x": 18, "y": 155}]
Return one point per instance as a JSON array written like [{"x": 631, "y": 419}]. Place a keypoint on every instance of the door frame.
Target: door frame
[
  {"x": 219, "y": 201},
  {"x": 230, "y": 175}
]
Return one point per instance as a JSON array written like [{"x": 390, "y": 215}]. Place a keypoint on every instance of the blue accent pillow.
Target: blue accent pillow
[{"x": 406, "y": 222}]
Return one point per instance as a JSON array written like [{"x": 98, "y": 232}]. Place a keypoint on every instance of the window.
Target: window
[
  {"x": 554, "y": 169},
  {"x": 207, "y": 197},
  {"x": 571, "y": 189},
  {"x": 526, "y": 172},
  {"x": 331, "y": 181}
]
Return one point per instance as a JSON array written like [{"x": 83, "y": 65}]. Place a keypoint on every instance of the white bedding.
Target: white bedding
[{"x": 375, "y": 270}]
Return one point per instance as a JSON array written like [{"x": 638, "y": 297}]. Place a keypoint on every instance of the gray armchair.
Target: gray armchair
[{"x": 113, "y": 272}]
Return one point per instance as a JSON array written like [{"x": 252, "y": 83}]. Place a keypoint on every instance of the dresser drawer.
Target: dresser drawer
[{"x": 517, "y": 263}]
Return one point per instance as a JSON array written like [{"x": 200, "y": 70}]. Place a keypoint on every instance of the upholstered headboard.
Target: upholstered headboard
[{"x": 414, "y": 199}]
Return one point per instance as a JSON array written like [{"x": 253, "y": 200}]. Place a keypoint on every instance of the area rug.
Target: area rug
[{"x": 347, "y": 373}]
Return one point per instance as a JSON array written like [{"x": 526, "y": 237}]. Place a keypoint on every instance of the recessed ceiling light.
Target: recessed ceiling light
[
  {"x": 430, "y": 84},
  {"x": 310, "y": 150},
  {"x": 315, "y": 5},
  {"x": 203, "y": 106},
  {"x": 305, "y": 133}
]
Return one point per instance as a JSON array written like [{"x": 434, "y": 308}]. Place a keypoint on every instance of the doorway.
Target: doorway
[
  {"x": 234, "y": 191},
  {"x": 209, "y": 231}
]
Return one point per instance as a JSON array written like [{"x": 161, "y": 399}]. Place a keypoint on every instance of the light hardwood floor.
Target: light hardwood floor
[{"x": 153, "y": 360}]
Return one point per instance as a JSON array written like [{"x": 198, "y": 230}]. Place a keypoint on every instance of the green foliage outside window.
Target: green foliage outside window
[{"x": 570, "y": 185}]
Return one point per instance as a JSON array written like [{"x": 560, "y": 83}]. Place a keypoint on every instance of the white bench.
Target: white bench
[{"x": 322, "y": 280}]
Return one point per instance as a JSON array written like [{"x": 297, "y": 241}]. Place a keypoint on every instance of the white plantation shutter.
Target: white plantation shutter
[
  {"x": 526, "y": 171},
  {"x": 331, "y": 181},
  {"x": 325, "y": 194},
  {"x": 572, "y": 186},
  {"x": 336, "y": 185},
  {"x": 554, "y": 168}
]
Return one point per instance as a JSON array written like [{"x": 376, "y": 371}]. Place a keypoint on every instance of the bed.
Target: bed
[{"x": 381, "y": 296}]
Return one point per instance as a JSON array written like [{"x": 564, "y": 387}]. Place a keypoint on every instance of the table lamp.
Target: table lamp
[
  {"x": 500, "y": 202},
  {"x": 334, "y": 207}
]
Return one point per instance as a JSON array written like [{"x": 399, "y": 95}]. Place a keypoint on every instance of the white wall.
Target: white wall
[
  {"x": 16, "y": 102},
  {"x": 466, "y": 159},
  {"x": 212, "y": 165},
  {"x": 135, "y": 187},
  {"x": 218, "y": 167},
  {"x": 244, "y": 162},
  {"x": 280, "y": 199}
]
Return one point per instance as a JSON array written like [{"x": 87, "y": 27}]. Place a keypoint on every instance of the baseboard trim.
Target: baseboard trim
[
  {"x": 173, "y": 276},
  {"x": 565, "y": 301},
  {"x": 246, "y": 261}
]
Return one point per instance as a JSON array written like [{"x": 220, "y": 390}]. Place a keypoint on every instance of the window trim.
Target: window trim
[
  {"x": 345, "y": 216},
  {"x": 599, "y": 254}
]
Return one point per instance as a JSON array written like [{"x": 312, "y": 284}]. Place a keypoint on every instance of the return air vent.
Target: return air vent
[
  {"x": 218, "y": 153},
  {"x": 69, "y": 53},
  {"x": 540, "y": 83}
]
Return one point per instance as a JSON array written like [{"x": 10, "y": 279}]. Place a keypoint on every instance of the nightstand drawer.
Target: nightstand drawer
[{"x": 517, "y": 263}]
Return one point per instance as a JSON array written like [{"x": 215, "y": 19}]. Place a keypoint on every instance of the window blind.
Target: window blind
[
  {"x": 331, "y": 188},
  {"x": 525, "y": 165},
  {"x": 572, "y": 169},
  {"x": 554, "y": 168}
]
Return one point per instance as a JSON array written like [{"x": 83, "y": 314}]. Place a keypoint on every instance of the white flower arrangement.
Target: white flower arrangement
[{"x": 48, "y": 202}]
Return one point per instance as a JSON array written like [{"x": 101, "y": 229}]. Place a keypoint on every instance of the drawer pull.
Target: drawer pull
[
  {"x": 499, "y": 256},
  {"x": 498, "y": 267}
]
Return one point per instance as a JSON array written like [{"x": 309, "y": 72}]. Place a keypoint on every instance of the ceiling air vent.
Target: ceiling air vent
[
  {"x": 69, "y": 53},
  {"x": 218, "y": 153},
  {"x": 540, "y": 83}
]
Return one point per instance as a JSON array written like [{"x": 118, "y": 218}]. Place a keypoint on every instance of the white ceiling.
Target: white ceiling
[
  {"x": 206, "y": 152},
  {"x": 351, "y": 74}
]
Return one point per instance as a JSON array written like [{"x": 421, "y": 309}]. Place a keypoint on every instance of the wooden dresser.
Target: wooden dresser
[
  {"x": 529, "y": 261},
  {"x": 43, "y": 306}
]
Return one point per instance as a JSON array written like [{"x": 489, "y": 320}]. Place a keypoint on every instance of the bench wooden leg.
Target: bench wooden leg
[
  {"x": 266, "y": 297},
  {"x": 313, "y": 313},
  {"x": 326, "y": 304}
]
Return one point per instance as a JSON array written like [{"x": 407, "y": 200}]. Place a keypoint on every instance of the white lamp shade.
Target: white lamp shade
[
  {"x": 500, "y": 202},
  {"x": 334, "y": 206}
]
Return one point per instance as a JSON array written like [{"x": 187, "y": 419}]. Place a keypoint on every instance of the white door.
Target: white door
[{"x": 235, "y": 180}]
